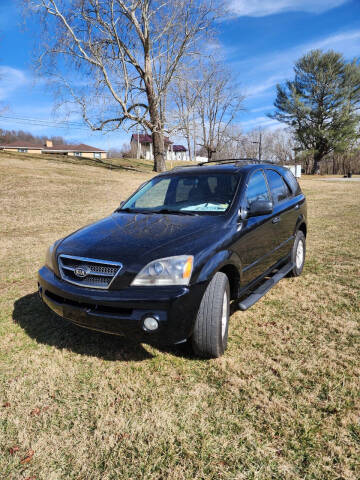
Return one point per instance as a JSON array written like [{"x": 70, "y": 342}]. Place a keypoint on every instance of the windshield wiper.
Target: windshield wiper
[
  {"x": 149, "y": 212},
  {"x": 131, "y": 210},
  {"x": 175, "y": 212}
]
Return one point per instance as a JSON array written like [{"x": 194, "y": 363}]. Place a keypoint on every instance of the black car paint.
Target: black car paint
[{"x": 246, "y": 248}]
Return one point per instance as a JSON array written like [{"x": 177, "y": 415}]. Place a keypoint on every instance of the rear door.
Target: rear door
[
  {"x": 256, "y": 243},
  {"x": 284, "y": 214}
]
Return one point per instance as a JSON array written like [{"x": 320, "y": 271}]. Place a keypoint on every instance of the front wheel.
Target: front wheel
[
  {"x": 209, "y": 339},
  {"x": 298, "y": 254}
]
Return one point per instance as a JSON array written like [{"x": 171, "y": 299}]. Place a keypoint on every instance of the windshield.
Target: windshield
[{"x": 202, "y": 193}]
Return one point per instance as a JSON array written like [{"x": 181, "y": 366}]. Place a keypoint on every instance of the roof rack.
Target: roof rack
[
  {"x": 245, "y": 161},
  {"x": 236, "y": 161}
]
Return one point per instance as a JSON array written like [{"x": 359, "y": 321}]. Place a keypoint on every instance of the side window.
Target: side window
[
  {"x": 257, "y": 189},
  {"x": 289, "y": 177},
  {"x": 155, "y": 196},
  {"x": 279, "y": 189}
]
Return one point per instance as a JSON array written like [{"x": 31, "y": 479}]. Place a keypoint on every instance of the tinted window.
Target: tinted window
[
  {"x": 291, "y": 180},
  {"x": 257, "y": 189},
  {"x": 200, "y": 193},
  {"x": 279, "y": 190}
]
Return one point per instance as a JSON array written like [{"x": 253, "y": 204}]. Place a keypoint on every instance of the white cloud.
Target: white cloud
[
  {"x": 262, "y": 8},
  {"x": 282, "y": 62},
  {"x": 258, "y": 89},
  {"x": 347, "y": 43},
  {"x": 261, "y": 109},
  {"x": 260, "y": 122},
  {"x": 10, "y": 80}
]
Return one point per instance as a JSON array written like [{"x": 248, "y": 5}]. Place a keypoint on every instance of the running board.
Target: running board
[{"x": 265, "y": 287}]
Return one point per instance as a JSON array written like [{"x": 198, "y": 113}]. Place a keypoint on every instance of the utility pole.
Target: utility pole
[
  {"x": 260, "y": 152},
  {"x": 259, "y": 143}
]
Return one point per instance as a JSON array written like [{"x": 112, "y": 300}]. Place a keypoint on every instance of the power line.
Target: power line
[{"x": 44, "y": 123}]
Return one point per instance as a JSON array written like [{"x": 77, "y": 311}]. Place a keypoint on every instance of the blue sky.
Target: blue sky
[{"x": 260, "y": 43}]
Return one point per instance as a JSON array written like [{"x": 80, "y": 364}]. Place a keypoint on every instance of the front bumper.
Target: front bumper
[{"x": 122, "y": 312}]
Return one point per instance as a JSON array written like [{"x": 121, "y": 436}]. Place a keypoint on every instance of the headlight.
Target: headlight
[
  {"x": 49, "y": 256},
  {"x": 166, "y": 271}
]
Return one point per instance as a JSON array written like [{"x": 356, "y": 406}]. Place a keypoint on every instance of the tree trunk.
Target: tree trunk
[
  {"x": 188, "y": 140},
  {"x": 155, "y": 118},
  {"x": 158, "y": 148},
  {"x": 317, "y": 160}
]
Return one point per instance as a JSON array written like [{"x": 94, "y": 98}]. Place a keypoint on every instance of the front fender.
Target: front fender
[{"x": 217, "y": 262}]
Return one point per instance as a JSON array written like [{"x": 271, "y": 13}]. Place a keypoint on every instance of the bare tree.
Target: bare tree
[
  {"x": 121, "y": 56},
  {"x": 218, "y": 102},
  {"x": 184, "y": 97}
]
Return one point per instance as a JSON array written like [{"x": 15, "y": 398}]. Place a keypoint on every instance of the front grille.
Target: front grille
[{"x": 88, "y": 272}]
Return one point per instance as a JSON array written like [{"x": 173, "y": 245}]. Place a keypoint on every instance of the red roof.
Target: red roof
[
  {"x": 57, "y": 148},
  {"x": 145, "y": 138},
  {"x": 179, "y": 148}
]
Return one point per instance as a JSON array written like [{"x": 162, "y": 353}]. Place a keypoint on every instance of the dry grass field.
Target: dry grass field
[{"x": 283, "y": 403}]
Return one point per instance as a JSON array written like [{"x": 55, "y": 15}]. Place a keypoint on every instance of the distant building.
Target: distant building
[
  {"x": 295, "y": 170},
  {"x": 180, "y": 153},
  {"x": 142, "y": 147},
  {"x": 81, "y": 150}
]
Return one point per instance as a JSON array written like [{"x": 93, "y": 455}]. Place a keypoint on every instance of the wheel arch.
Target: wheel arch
[
  {"x": 301, "y": 225},
  {"x": 303, "y": 228},
  {"x": 226, "y": 262},
  {"x": 233, "y": 275}
]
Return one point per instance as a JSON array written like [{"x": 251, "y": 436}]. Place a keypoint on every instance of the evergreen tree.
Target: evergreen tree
[{"x": 321, "y": 104}]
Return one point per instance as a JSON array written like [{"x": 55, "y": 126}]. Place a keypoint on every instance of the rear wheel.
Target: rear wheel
[
  {"x": 298, "y": 254},
  {"x": 210, "y": 334}
]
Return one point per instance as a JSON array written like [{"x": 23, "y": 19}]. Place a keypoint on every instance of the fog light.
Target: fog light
[{"x": 151, "y": 324}]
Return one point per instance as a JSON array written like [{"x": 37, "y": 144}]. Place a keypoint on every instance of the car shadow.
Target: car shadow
[{"x": 46, "y": 327}]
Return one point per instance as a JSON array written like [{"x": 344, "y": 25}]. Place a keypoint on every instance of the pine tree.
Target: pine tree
[{"x": 321, "y": 104}]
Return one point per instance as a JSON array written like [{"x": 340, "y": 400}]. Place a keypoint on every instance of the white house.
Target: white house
[
  {"x": 295, "y": 170},
  {"x": 179, "y": 152},
  {"x": 142, "y": 147}
]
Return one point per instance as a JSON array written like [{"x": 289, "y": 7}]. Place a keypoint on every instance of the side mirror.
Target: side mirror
[{"x": 260, "y": 207}]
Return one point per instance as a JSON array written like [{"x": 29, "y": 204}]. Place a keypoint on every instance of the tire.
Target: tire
[
  {"x": 209, "y": 339},
  {"x": 298, "y": 254}
]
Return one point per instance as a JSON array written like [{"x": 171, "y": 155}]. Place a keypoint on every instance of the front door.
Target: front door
[
  {"x": 284, "y": 213},
  {"x": 256, "y": 244}
]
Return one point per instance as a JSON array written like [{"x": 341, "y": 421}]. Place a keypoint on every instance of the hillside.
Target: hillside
[{"x": 110, "y": 163}]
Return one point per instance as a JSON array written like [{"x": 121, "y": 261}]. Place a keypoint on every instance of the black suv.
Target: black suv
[{"x": 165, "y": 265}]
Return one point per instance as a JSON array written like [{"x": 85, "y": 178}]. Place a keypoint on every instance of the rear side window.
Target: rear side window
[
  {"x": 291, "y": 180},
  {"x": 257, "y": 189},
  {"x": 279, "y": 189}
]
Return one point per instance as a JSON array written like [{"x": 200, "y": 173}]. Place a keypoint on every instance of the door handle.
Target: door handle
[{"x": 276, "y": 220}]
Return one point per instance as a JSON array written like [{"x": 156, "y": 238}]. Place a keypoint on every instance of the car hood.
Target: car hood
[{"x": 135, "y": 238}]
